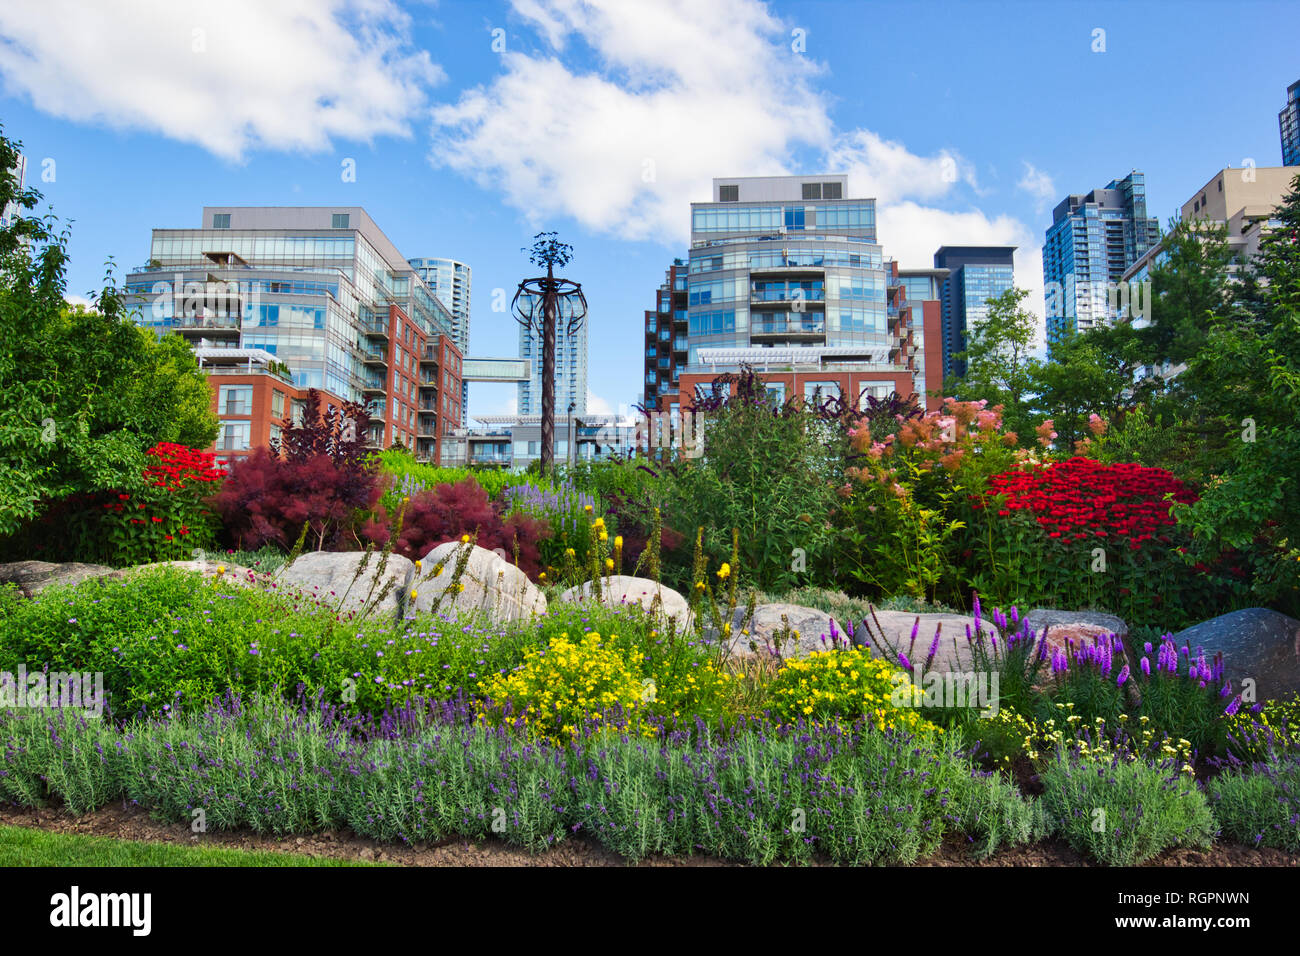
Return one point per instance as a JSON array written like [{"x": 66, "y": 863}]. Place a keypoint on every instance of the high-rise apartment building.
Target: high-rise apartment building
[
  {"x": 975, "y": 275},
  {"x": 451, "y": 282},
  {"x": 318, "y": 297},
  {"x": 570, "y": 367},
  {"x": 12, "y": 210},
  {"x": 665, "y": 340},
  {"x": 1093, "y": 239},
  {"x": 786, "y": 276},
  {"x": 1288, "y": 124}
]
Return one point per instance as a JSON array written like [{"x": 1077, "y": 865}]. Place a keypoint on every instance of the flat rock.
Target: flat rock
[
  {"x": 625, "y": 589},
  {"x": 491, "y": 585},
  {"x": 1256, "y": 643},
  {"x": 33, "y": 577},
  {"x": 808, "y": 626},
  {"x": 339, "y": 580},
  {"x": 953, "y": 650}
]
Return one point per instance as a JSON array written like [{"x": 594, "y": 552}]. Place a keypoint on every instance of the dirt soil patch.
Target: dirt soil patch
[{"x": 133, "y": 823}]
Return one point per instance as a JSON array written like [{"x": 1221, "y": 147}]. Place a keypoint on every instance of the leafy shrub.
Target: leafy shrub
[
  {"x": 160, "y": 517},
  {"x": 734, "y": 485},
  {"x": 1040, "y": 529},
  {"x": 447, "y": 512},
  {"x": 322, "y": 475},
  {"x": 404, "y": 477},
  {"x": 570, "y": 686},
  {"x": 760, "y": 794},
  {"x": 847, "y": 684},
  {"x": 1124, "y": 810},
  {"x": 904, "y": 502},
  {"x": 1259, "y": 804}
]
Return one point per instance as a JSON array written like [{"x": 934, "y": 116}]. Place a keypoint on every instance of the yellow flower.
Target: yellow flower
[
  {"x": 587, "y": 508},
  {"x": 419, "y": 564},
  {"x": 414, "y": 595},
  {"x": 464, "y": 539},
  {"x": 569, "y": 551},
  {"x": 724, "y": 572},
  {"x": 542, "y": 576},
  {"x": 618, "y": 541},
  {"x": 604, "y": 536},
  {"x": 221, "y": 569},
  {"x": 609, "y": 564}
]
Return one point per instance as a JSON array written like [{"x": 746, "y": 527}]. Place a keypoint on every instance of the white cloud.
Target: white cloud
[
  {"x": 689, "y": 91},
  {"x": 888, "y": 171},
  {"x": 597, "y": 405},
  {"x": 1039, "y": 185},
  {"x": 242, "y": 74}
]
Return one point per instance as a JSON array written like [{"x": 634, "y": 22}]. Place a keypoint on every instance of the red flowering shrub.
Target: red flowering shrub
[
  {"x": 1078, "y": 533},
  {"x": 164, "y": 518},
  {"x": 448, "y": 511},
  {"x": 1082, "y": 499}
]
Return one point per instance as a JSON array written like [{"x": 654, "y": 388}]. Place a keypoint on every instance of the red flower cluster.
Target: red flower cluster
[
  {"x": 1079, "y": 499},
  {"x": 179, "y": 465}
]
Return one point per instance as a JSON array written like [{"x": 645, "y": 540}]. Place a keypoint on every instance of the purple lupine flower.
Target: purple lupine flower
[
  {"x": 1123, "y": 676},
  {"x": 1146, "y": 666},
  {"x": 1233, "y": 706},
  {"x": 902, "y": 659}
]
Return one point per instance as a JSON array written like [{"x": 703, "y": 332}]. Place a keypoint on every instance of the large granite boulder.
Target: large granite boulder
[
  {"x": 810, "y": 630},
  {"x": 216, "y": 570},
  {"x": 620, "y": 589},
  {"x": 1074, "y": 628},
  {"x": 489, "y": 584},
  {"x": 349, "y": 581},
  {"x": 952, "y": 650},
  {"x": 1257, "y": 644},
  {"x": 33, "y": 577}
]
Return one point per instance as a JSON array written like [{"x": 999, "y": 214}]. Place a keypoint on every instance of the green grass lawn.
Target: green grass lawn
[{"x": 24, "y": 846}]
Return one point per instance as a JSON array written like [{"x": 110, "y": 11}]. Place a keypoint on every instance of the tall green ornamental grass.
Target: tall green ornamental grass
[{"x": 408, "y": 476}]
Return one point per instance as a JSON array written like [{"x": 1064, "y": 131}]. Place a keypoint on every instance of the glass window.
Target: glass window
[
  {"x": 812, "y": 190},
  {"x": 277, "y": 403},
  {"x": 234, "y": 436},
  {"x": 729, "y": 193},
  {"x": 221, "y": 220},
  {"x": 339, "y": 220},
  {"x": 235, "y": 400}
]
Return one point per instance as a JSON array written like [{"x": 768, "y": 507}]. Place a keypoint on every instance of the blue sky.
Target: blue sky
[{"x": 475, "y": 125}]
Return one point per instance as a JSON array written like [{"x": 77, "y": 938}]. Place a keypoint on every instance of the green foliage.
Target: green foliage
[
  {"x": 1260, "y": 805},
  {"x": 780, "y": 511},
  {"x": 83, "y": 393},
  {"x": 1124, "y": 810},
  {"x": 999, "y": 360},
  {"x": 29, "y": 846},
  {"x": 759, "y": 795}
]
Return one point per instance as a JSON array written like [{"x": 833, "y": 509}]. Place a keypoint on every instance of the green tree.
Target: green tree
[
  {"x": 999, "y": 359},
  {"x": 83, "y": 393},
  {"x": 1248, "y": 378},
  {"x": 1089, "y": 373}
]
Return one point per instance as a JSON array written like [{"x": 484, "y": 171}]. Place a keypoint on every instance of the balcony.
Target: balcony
[
  {"x": 372, "y": 357},
  {"x": 373, "y": 386},
  {"x": 207, "y": 324},
  {"x": 428, "y": 405},
  {"x": 795, "y": 330},
  {"x": 490, "y": 458},
  {"x": 377, "y": 328},
  {"x": 426, "y": 426}
]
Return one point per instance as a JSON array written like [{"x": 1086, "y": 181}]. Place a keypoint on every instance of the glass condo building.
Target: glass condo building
[
  {"x": 786, "y": 275},
  {"x": 321, "y": 290},
  {"x": 1093, "y": 240}
]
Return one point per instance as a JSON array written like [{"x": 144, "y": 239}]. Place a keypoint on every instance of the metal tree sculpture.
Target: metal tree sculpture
[{"x": 538, "y": 305}]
